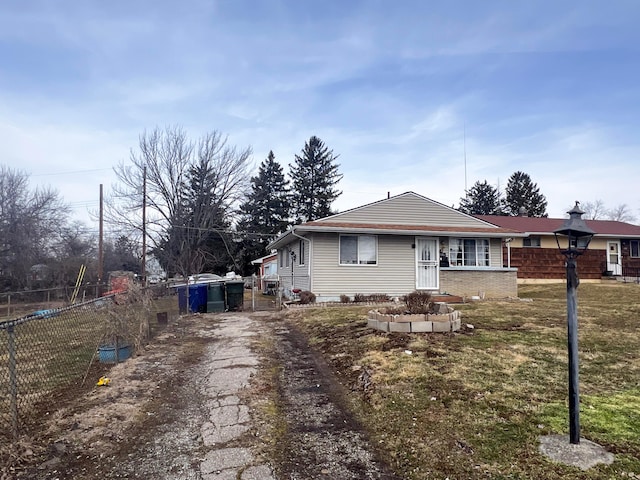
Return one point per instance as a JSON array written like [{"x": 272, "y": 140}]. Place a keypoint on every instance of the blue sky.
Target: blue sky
[{"x": 551, "y": 88}]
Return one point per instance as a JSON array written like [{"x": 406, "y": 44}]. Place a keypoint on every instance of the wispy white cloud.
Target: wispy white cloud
[{"x": 388, "y": 87}]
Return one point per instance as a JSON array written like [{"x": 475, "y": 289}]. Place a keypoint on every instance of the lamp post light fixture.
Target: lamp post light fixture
[{"x": 577, "y": 236}]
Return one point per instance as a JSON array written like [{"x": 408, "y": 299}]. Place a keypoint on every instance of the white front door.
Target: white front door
[
  {"x": 614, "y": 259},
  {"x": 427, "y": 263}
]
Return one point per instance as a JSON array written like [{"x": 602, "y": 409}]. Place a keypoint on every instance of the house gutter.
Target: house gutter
[{"x": 413, "y": 232}]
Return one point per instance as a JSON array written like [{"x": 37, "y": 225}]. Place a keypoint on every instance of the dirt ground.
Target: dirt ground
[{"x": 147, "y": 422}]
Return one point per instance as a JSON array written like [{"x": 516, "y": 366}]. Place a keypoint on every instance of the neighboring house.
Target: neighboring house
[
  {"x": 395, "y": 246},
  {"x": 613, "y": 251},
  {"x": 268, "y": 271},
  {"x": 39, "y": 272}
]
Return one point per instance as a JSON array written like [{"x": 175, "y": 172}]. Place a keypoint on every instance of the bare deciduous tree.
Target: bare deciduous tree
[
  {"x": 621, "y": 213},
  {"x": 593, "y": 210},
  {"x": 597, "y": 211},
  {"x": 182, "y": 178},
  {"x": 29, "y": 222}
]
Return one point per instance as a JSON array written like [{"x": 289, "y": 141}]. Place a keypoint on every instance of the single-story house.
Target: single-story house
[
  {"x": 267, "y": 272},
  {"x": 395, "y": 246},
  {"x": 613, "y": 251}
]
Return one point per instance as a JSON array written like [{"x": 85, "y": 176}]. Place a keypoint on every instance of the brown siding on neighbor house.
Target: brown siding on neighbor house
[
  {"x": 630, "y": 265},
  {"x": 547, "y": 263}
]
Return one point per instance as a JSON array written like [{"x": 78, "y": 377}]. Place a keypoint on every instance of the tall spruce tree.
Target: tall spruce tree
[
  {"x": 523, "y": 196},
  {"x": 208, "y": 221},
  {"x": 266, "y": 211},
  {"x": 314, "y": 176},
  {"x": 482, "y": 199}
]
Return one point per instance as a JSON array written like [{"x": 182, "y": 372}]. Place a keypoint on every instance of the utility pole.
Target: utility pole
[
  {"x": 101, "y": 241},
  {"x": 144, "y": 227}
]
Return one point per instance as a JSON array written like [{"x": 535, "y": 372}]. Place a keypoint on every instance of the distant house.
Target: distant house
[
  {"x": 613, "y": 251},
  {"x": 395, "y": 246},
  {"x": 267, "y": 272}
]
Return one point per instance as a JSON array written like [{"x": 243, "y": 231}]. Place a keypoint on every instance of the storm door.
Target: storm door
[
  {"x": 614, "y": 260},
  {"x": 427, "y": 263}
]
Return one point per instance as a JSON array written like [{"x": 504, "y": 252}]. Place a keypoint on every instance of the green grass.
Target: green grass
[{"x": 473, "y": 405}]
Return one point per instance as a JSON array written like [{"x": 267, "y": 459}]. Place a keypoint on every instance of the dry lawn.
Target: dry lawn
[{"x": 473, "y": 404}]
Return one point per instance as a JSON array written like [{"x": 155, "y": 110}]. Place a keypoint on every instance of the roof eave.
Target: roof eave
[{"x": 425, "y": 231}]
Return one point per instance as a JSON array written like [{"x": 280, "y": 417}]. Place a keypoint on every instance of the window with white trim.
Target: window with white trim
[
  {"x": 358, "y": 250},
  {"x": 634, "y": 248},
  {"x": 302, "y": 252},
  {"x": 469, "y": 252}
]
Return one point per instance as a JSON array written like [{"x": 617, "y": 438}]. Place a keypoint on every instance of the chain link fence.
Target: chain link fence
[
  {"x": 20, "y": 303},
  {"x": 50, "y": 355},
  {"x": 262, "y": 293}
]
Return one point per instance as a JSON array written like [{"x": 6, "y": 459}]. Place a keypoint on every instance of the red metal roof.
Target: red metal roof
[{"x": 548, "y": 225}]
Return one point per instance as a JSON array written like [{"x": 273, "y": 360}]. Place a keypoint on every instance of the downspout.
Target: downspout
[
  {"x": 309, "y": 263},
  {"x": 508, "y": 242}
]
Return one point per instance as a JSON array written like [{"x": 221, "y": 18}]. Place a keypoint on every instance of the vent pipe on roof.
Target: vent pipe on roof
[{"x": 388, "y": 194}]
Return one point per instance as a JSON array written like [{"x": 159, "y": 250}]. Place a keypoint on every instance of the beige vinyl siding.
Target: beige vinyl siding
[
  {"x": 407, "y": 209},
  {"x": 300, "y": 275},
  {"x": 394, "y": 273},
  {"x": 495, "y": 252},
  {"x": 549, "y": 241}
]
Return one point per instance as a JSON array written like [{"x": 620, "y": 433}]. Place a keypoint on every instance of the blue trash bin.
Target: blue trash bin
[{"x": 198, "y": 298}]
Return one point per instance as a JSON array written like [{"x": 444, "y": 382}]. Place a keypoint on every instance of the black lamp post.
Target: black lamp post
[
  {"x": 578, "y": 236},
  {"x": 293, "y": 260}
]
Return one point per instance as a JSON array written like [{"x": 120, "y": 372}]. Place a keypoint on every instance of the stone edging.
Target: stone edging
[
  {"x": 335, "y": 304},
  {"x": 416, "y": 323}
]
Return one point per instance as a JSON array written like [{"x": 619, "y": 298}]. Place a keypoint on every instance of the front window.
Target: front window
[
  {"x": 358, "y": 250},
  {"x": 469, "y": 252},
  {"x": 635, "y": 248}
]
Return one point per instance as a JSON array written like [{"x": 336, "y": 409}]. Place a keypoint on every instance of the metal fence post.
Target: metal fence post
[
  {"x": 13, "y": 380},
  {"x": 253, "y": 293}
]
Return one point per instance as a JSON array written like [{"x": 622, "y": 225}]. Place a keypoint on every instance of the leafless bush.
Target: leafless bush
[
  {"x": 418, "y": 301},
  {"x": 307, "y": 297},
  {"x": 379, "y": 297},
  {"x": 128, "y": 317},
  {"x": 373, "y": 298},
  {"x": 345, "y": 299}
]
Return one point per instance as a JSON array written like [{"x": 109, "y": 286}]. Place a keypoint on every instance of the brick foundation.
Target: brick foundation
[{"x": 482, "y": 283}]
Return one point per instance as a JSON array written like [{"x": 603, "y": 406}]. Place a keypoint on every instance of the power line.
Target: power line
[{"x": 69, "y": 173}]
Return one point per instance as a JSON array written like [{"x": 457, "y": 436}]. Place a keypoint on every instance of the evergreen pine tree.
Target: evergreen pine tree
[
  {"x": 205, "y": 236},
  {"x": 314, "y": 178},
  {"x": 482, "y": 199},
  {"x": 266, "y": 211},
  {"x": 524, "y": 195}
]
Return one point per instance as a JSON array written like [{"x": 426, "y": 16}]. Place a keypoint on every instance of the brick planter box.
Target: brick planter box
[{"x": 418, "y": 323}]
